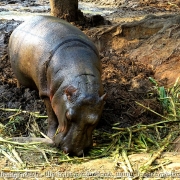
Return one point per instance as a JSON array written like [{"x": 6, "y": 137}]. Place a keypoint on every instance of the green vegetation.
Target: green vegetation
[{"x": 152, "y": 138}]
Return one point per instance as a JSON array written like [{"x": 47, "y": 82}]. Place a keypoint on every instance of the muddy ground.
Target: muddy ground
[{"x": 132, "y": 49}]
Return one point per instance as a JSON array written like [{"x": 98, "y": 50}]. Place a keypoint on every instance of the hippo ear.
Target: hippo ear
[{"x": 69, "y": 91}]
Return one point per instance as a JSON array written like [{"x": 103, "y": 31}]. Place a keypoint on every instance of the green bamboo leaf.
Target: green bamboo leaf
[{"x": 153, "y": 81}]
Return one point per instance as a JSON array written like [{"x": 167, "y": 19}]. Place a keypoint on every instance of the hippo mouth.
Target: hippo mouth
[{"x": 75, "y": 147}]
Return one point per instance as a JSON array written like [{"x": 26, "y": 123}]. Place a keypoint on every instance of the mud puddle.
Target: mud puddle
[
  {"x": 23, "y": 11},
  {"x": 93, "y": 9}
]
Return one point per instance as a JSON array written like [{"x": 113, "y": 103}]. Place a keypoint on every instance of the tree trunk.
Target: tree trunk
[{"x": 65, "y": 9}]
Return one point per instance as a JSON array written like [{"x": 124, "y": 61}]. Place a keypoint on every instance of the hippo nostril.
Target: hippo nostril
[{"x": 65, "y": 150}]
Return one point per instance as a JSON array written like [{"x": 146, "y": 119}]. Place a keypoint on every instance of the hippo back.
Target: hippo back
[
  {"x": 33, "y": 43},
  {"x": 53, "y": 31}
]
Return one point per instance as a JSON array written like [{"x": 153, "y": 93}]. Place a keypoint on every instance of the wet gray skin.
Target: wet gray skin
[
  {"x": 63, "y": 64},
  {"x": 81, "y": 119}
]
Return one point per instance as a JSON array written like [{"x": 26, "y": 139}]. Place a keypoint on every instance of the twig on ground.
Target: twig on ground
[
  {"x": 35, "y": 114},
  {"x": 143, "y": 169},
  {"x": 125, "y": 157}
]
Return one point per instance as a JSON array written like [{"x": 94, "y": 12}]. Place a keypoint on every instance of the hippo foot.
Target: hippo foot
[
  {"x": 51, "y": 134},
  {"x": 51, "y": 130}
]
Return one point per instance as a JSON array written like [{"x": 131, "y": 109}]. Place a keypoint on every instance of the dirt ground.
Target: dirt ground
[{"x": 132, "y": 49}]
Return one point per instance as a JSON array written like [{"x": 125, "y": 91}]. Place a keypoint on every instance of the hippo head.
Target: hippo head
[{"x": 82, "y": 112}]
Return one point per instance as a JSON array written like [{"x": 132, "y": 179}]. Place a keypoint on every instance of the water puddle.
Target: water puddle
[
  {"x": 92, "y": 9},
  {"x": 23, "y": 12}
]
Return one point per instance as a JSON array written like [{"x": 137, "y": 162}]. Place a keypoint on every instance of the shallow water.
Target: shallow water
[
  {"x": 92, "y": 9},
  {"x": 22, "y": 12}
]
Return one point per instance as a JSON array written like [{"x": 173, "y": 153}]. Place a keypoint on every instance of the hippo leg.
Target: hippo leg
[{"x": 52, "y": 119}]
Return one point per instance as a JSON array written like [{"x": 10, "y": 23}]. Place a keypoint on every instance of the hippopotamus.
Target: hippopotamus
[{"x": 63, "y": 64}]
